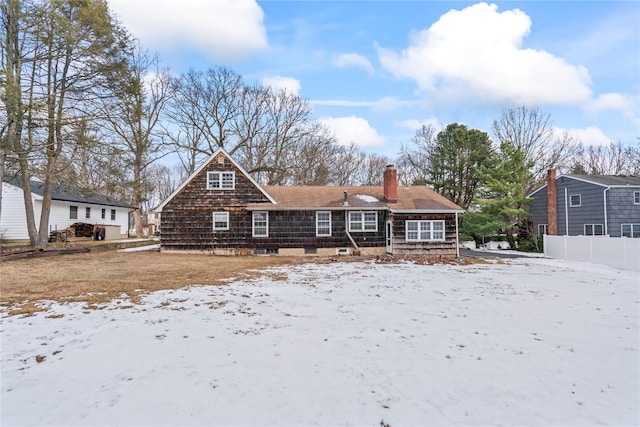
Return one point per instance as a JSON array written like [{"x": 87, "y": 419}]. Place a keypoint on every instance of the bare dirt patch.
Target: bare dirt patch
[{"x": 98, "y": 277}]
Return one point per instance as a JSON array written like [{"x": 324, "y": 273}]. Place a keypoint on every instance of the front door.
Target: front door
[{"x": 388, "y": 237}]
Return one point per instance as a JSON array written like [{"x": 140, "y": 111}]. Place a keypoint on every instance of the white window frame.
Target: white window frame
[
  {"x": 87, "y": 212},
  {"x": 636, "y": 197},
  {"x": 593, "y": 229},
  {"x": 253, "y": 224},
  {"x": 543, "y": 229},
  {"x": 113, "y": 214},
  {"x": 571, "y": 204},
  {"x": 364, "y": 224},
  {"x": 323, "y": 224},
  {"x": 631, "y": 230},
  {"x": 73, "y": 212},
  {"x": 425, "y": 231},
  {"x": 224, "y": 215},
  {"x": 221, "y": 180}
]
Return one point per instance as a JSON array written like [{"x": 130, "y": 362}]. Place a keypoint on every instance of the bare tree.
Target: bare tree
[
  {"x": 371, "y": 171},
  {"x": 204, "y": 108},
  {"x": 54, "y": 52},
  {"x": 163, "y": 181},
  {"x": 12, "y": 56},
  {"x": 140, "y": 91},
  {"x": 415, "y": 157},
  {"x": 530, "y": 131},
  {"x": 612, "y": 159},
  {"x": 314, "y": 157},
  {"x": 285, "y": 130}
]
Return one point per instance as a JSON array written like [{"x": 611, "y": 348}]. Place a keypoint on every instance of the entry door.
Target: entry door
[{"x": 388, "y": 237}]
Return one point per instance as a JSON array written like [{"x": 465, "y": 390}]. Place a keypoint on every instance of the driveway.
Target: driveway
[{"x": 492, "y": 254}]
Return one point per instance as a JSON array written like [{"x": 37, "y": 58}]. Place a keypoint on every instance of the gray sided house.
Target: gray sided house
[
  {"x": 594, "y": 205},
  {"x": 220, "y": 209}
]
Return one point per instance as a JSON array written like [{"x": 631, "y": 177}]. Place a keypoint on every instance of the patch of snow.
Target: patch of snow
[
  {"x": 140, "y": 248},
  {"x": 366, "y": 198},
  {"x": 523, "y": 342}
]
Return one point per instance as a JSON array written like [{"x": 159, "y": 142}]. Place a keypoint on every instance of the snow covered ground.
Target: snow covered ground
[{"x": 524, "y": 342}]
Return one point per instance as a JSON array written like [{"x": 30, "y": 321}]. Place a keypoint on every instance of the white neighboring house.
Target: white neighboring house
[
  {"x": 68, "y": 206},
  {"x": 153, "y": 220}
]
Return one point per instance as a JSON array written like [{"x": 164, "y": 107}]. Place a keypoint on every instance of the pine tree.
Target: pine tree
[{"x": 501, "y": 203}]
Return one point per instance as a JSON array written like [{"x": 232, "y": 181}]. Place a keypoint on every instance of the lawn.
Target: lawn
[{"x": 521, "y": 342}]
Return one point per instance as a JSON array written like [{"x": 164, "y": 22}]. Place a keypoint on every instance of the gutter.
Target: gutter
[
  {"x": 606, "y": 222},
  {"x": 457, "y": 238},
  {"x": 566, "y": 212}
]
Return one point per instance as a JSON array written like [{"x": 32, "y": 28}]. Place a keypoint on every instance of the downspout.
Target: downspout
[
  {"x": 606, "y": 225},
  {"x": 457, "y": 238},
  {"x": 566, "y": 213}
]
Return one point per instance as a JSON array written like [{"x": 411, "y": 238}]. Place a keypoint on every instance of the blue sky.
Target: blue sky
[{"x": 374, "y": 71}]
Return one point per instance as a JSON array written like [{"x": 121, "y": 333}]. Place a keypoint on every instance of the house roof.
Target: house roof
[
  {"x": 203, "y": 166},
  {"x": 71, "y": 194},
  {"x": 609, "y": 180},
  {"x": 601, "y": 180},
  {"x": 414, "y": 198}
]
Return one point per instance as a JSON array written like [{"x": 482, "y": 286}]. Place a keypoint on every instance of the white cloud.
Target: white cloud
[
  {"x": 590, "y": 135},
  {"x": 342, "y": 103},
  {"x": 385, "y": 103},
  {"x": 626, "y": 104},
  {"x": 354, "y": 130},
  {"x": 414, "y": 124},
  {"x": 289, "y": 84},
  {"x": 477, "y": 52},
  {"x": 353, "y": 60},
  {"x": 220, "y": 29}
]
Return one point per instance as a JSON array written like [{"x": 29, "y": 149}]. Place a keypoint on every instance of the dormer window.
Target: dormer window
[{"x": 221, "y": 180}]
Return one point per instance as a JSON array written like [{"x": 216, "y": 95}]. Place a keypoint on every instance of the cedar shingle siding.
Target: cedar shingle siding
[
  {"x": 297, "y": 229},
  {"x": 401, "y": 246},
  {"x": 187, "y": 216},
  {"x": 187, "y": 219}
]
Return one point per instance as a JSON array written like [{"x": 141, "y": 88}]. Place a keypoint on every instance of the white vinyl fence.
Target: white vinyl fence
[{"x": 618, "y": 252}]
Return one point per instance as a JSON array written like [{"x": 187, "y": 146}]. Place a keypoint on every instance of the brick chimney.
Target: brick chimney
[
  {"x": 552, "y": 203},
  {"x": 390, "y": 184}
]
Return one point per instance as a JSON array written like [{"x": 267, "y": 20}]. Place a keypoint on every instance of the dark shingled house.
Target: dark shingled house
[{"x": 220, "y": 209}]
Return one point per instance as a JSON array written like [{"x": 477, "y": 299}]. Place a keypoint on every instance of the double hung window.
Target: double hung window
[
  {"x": 631, "y": 230},
  {"x": 575, "y": 200},
  {"x": 363, "y": 221},
  {"x": 593, "y": 230},
  {"x": 221, "y": 180},
  {"x": 323, "y": 224},
  {"x": 220, "y": 221},
  {"x": 261, "y": 224},
  {"x": 543, "y": 229},
  {"x": 424, "y": 231}
]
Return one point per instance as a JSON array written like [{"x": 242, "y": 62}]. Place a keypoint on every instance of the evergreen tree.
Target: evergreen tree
[
  {"x": 501, "y": 203},
  {"x": 455, "y": 161}
]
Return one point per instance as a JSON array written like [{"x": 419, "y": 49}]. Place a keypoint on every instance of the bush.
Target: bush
[{"x": 530, "y": 244}]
